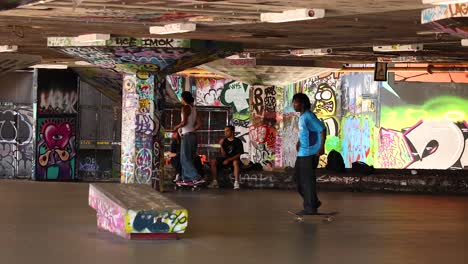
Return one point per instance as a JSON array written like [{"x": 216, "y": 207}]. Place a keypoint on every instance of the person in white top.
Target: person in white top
[{"x": 190, "y": 122}]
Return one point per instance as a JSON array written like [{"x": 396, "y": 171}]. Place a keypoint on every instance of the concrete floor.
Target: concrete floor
[{"x": 52, "y": 223}]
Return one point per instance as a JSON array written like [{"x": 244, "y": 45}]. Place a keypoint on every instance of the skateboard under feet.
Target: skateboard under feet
[
  {"x": 191, "y": 185},
  {"x": 326, "y": 217}
]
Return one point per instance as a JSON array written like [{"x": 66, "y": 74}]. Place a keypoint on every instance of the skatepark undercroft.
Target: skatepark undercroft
[{"x": 52, "y": 223}]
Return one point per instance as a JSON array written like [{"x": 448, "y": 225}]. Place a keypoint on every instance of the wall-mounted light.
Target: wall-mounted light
[
  {"x": 443, "y": 2},
  {"x": 464, "y": 42},
  {"x": 50, "y": 66},
  {"x": 83, "y": 63},
  {"x": 91, "y": 38},
  {"x": 392, "y": 48},
  {"x": 293, "y": 15},
  {"x": 8, "y": 48},
  {"x": 173, "y": 28},
  {"x": 310, "y": 52}
]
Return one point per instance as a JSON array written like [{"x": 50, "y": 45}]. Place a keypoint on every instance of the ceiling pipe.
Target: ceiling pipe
[{"x": 429, "y": 69}]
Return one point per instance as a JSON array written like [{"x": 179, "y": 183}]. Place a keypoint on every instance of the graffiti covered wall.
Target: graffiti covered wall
[
  {"x": 236, "y": 95},
  {"x": 16, "y": 141},
  {"x": 398, "y": 125},
  {"x": 424, "y": 126},
  {"x": 223, "y": 92},
  {"x": 359, "y": 102},
  {"x": 324, "y": 95},
  {"x": 56, "y": 148},
  {"x": 17, "y": 125},
  {"x": 56, "y": 125}
]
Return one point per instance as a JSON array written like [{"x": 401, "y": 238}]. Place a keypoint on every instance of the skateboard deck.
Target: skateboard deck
[
  {"x": 193, "y": 186},
  {"x": 326, "y": 217}
]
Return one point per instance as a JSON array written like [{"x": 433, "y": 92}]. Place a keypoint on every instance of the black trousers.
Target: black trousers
[{"x": 307, "y": 182}]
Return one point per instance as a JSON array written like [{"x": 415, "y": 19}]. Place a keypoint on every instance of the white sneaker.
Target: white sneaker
[
  {"x": 214, "y": 185},
  {"x": 236, "y": 185},
  {"x": 177, "y": 177}
]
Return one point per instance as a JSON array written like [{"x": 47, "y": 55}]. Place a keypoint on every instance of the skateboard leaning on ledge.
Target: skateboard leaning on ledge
[{"x": 325, "y": 217}]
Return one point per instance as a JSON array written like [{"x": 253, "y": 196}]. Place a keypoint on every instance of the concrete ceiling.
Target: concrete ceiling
[
  {"x": 264, "y": 75},
  {"x": 351, "y": 27}
]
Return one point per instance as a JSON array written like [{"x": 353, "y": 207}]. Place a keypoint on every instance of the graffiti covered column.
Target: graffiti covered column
[
  {"x": 263, "y": 131},
  {"x": 139, "y": 59},
  {"x": 138, "y": 127}
]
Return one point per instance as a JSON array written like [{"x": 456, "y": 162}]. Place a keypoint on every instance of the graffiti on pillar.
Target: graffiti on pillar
[
  {"x": 56, "y": 149},
  {"x": 158, "y": 147},
  {"x": 177, "y": 84},
  {"x": 263, "y": 103},
  {"x": 130, "y": 106},
  {"x": 16, "y": 141},
  {"x": 280, "y": 136},
  {"x": 290, "y": 134},
  {"x": 263, "y": 130},
  {"x": 144, "y": 128}
]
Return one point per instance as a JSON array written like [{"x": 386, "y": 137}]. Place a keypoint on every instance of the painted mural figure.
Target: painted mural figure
[
  {"x": 309, "y": 147},
  {"x": 325, "y": 101},
  {"x": 231, "y": 150},
  {"x": 56, "y": 151},
  {"x": 190, "y": 123}
]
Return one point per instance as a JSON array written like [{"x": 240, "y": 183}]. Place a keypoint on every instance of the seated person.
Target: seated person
[
  {"x": 175, "y": 155},
  {"x": 231, "y": 150}
]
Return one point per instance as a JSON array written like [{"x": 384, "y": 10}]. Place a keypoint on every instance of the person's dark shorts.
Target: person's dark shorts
[{"x": 220, "y": 164}]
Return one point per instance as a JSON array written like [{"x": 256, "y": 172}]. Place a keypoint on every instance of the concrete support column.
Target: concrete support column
[{"x": 141, "y": 146}]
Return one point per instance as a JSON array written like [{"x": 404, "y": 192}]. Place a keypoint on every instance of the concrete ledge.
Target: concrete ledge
[
  {"x": 425, "y": 181},
  {"x": 136, "y": 211}
]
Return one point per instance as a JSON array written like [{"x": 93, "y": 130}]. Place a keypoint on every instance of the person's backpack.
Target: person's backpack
[
  {"x": 363, "y": 168},
  {"x": 335, "y": 162}
]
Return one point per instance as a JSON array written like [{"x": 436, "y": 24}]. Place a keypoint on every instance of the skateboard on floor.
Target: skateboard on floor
[
  {"x": 189, "y": 184},
  {"x": 326, "y": 217}
]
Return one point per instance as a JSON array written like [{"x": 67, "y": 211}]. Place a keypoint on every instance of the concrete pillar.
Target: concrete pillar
[{"x": 141, "y": 145}]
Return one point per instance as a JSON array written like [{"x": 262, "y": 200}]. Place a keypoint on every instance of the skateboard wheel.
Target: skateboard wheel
[{"x": 329, "y": 219}]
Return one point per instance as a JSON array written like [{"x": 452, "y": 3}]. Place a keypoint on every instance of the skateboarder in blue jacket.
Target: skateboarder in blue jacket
[{"x": 309, "y": 148}]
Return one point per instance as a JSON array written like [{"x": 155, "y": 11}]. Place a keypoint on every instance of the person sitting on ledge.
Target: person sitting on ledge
[{"x": 231, "y": 150}]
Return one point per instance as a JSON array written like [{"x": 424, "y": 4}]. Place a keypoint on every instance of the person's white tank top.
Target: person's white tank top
[{"x": 191, "y": 120}]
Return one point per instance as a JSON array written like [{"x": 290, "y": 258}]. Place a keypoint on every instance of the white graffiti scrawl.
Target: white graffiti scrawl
[
  {"x": 439, "y": 144},
  {"x": 58, "y": 101}
]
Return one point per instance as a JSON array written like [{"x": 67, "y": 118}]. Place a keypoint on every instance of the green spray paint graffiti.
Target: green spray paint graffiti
[{"x": 450, "y": 108}]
